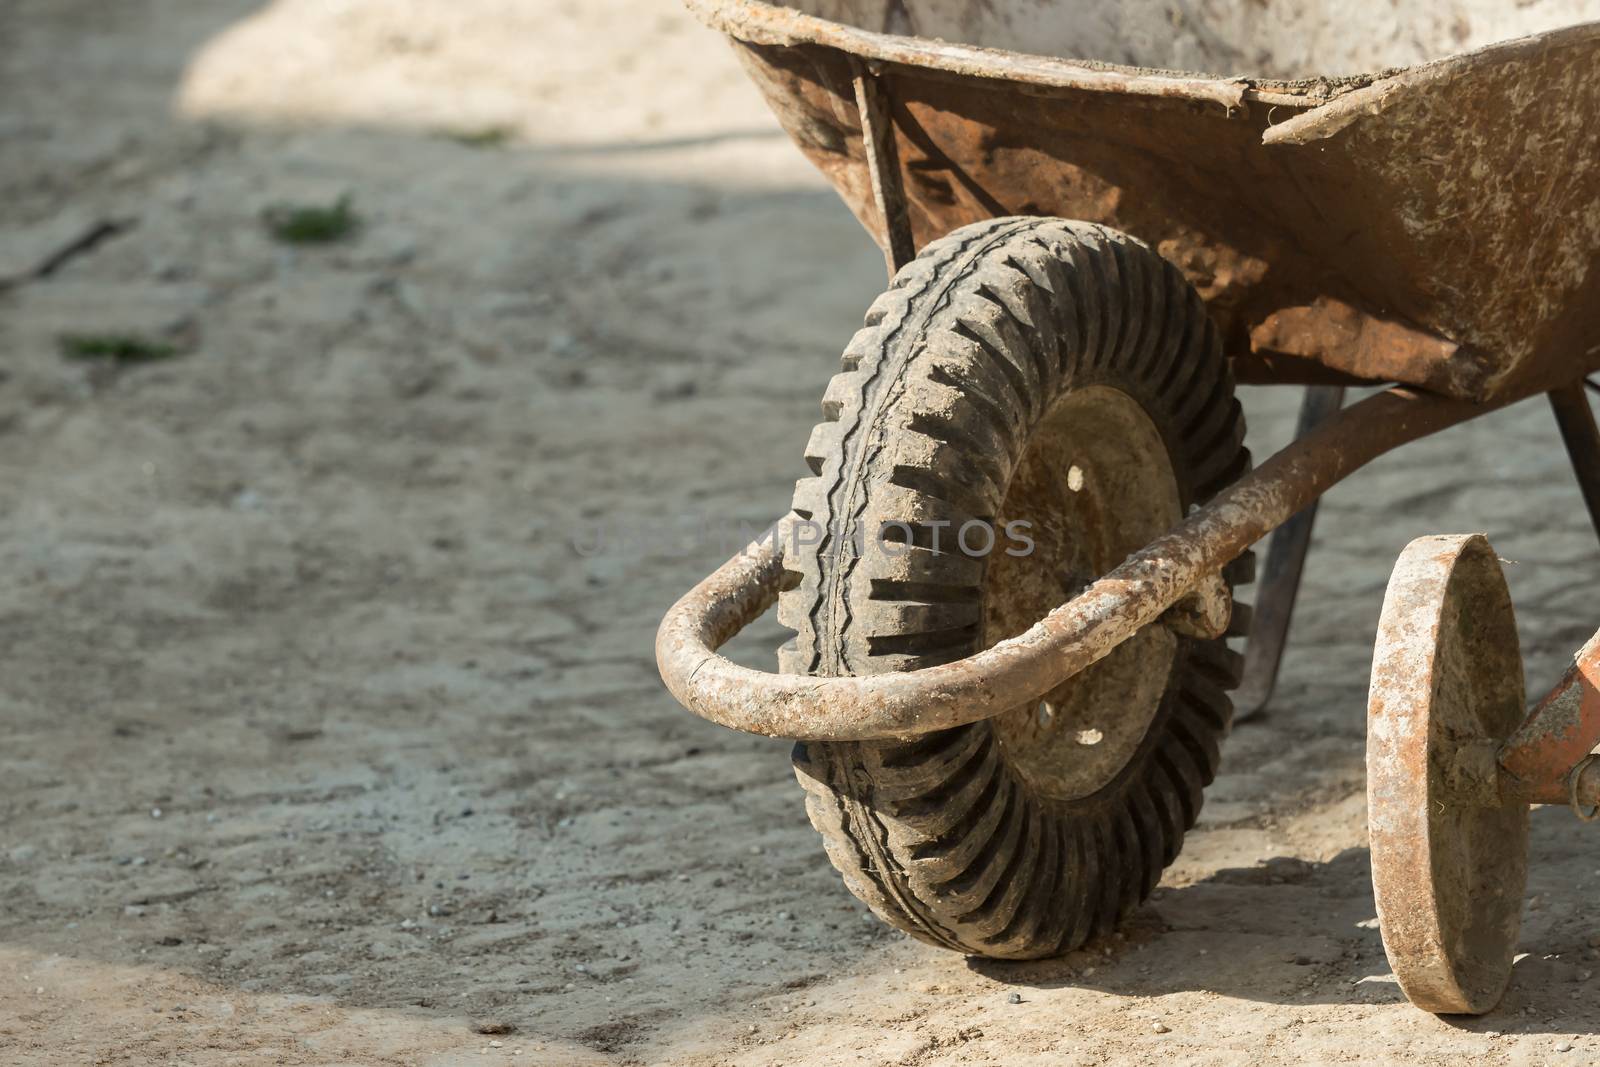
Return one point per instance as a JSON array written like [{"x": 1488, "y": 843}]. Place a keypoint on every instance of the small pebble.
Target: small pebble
[
  {"x": 155, "y": 813},
  {"x": 1565, "y": 1046},
  {"x": 1161, "y": 1028},
  {"x": 492, "y": 1026},
  {"x": 1014, "y": 998}
]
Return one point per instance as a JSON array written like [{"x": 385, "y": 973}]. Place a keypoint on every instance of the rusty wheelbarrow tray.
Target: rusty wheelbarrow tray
[
  {"x": 1434, "y": 228},
  {"x": 1437, "y": 226}
]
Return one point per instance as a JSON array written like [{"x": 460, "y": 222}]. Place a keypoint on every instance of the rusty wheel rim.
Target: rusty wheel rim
[
  {"x": 1095, "y": 485},
  {"x": 1449, "y": 860}
]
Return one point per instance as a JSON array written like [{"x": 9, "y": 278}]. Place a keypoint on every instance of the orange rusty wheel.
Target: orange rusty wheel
[{"x": 1449, "y": 858}]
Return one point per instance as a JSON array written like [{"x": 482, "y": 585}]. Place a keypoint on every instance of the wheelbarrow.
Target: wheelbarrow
[{"x": 1010, "y": 568}]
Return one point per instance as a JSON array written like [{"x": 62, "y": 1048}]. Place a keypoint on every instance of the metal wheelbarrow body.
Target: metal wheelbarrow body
[{"x": 1437, "y": 226}]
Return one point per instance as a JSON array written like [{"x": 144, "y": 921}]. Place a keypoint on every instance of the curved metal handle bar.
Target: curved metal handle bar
[{"x": 1070, "y": 638}]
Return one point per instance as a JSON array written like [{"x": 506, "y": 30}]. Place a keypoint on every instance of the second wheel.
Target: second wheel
[{"x": 1449, "y": 856}]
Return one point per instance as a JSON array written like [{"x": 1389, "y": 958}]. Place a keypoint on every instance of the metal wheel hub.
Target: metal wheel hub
[{"x": 1095, "y": 484}]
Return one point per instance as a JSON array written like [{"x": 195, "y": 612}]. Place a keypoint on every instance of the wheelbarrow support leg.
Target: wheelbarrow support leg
[
  {"x": 1582, "y": 439},
  {"x": 883, "y": 167},
  {"x": 1280, "y": 578}
]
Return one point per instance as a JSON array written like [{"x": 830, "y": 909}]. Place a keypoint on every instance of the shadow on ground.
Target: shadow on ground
[{"x": 1237, "y": 920}]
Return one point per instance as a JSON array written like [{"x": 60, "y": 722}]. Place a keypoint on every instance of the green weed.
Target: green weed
[
  {"x": 482, "y": 137},
  {"x": 122, "y": 349},
  {"x": 300, "y": 224}
]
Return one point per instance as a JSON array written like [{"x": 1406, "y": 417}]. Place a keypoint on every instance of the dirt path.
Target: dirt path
[{"x": 318, "y": 737}]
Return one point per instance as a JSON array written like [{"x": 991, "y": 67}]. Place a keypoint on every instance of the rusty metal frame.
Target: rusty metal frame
[
  {"x": 1547, "y": 760},
  {"x": 1070, "y": 638},
  {"x": 883, "y": 167},
  {"x": 1582, "y": 438},
  {"x": 757, "y": 22}
]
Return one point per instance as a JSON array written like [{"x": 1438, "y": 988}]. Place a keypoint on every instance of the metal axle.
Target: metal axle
[{"x": 1550, "y": 759}]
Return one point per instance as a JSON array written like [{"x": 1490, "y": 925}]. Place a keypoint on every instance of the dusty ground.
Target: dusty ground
[{"x": 320, "y": 738}]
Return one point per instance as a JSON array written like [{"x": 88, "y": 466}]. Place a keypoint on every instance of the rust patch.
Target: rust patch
[
  {"x": 1562, "y": 729},
  {"x": 1350, "y": 341}
]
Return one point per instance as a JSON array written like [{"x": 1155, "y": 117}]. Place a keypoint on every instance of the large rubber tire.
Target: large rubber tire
[{"x": 985, "y": 838}]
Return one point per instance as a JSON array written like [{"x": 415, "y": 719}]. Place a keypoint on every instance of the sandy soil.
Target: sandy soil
[{"x": 321, "y": 742}]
